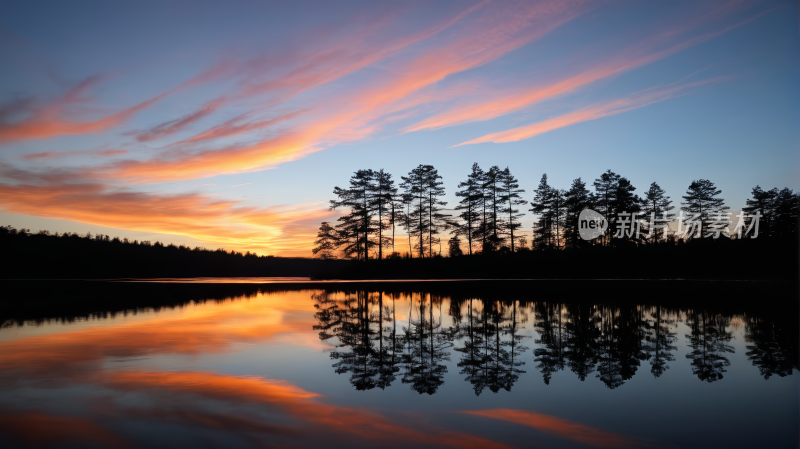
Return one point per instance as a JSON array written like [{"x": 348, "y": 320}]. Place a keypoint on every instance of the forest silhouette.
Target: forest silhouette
[
  {"x": 486, "y": 219},
  {"x": 481, "y": 236}
]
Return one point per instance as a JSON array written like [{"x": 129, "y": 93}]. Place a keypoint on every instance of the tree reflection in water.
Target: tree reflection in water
[
  {"x": 374, "y": 341},
  {"x": 428, "y": 343},
  {"x": 709, "y": 341},
  {"x": 769, "y": 350}
]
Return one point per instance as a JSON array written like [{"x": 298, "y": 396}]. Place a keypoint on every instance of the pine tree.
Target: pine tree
[
  {"x": 625, "y": 201},
  {"x": 408, "y": 200},
  {"x": 356, "y": 226},
  {"x": 541, "y": 205},
  {"x": 576, "y": 199},
  {"x": 470, "y": 205},
  {"x": 423, "y": 185},
  {"x": 606, "y": 187},
  {"x": 557, "y": 215},
  {"x": 491, "y": 188},
  {"x": 396, "y": 214},
  {"x": 657, "y": 204},
  {"x": 381, "y": 199},
  {"x": 701, "y": 199},
  {"x": 438, "y": 221},
  {"x": 509, "y": 198},
  {"x": 327, "y": 241},
  {"x": 763, "y": 201},
  {"x": 787, "y": 205}
]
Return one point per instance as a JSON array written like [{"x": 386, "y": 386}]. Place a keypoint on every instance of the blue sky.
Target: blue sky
[{"x": 229, "y": 125}]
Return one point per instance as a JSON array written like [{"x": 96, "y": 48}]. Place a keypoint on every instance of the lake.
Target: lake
[{"x": 287, "y": 362}]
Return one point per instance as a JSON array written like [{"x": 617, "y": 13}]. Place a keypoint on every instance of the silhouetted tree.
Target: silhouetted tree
[
  {"x": 656, "y": 205},
  {"x": 778, "y": 210},
  {"x": 626, "y": 202},
  {"x": 787, "y": 207},
  {"x": 701, "y": 199},
  {"x": 541, "y": 205},
  {"x": 470, "y": 204},
  {"x": 762, "y": 201},
  {"x": 576, "y": 199},
  {"x": 492, "y": 201},
  {"x": 327, "y": 241},
  {"x": 606, "y": 187},
  {"x": 382, "y": 194},
  {"x": 357, "y": 225},
  {"x": 424, "y": 185},
  {"x": 510, "y": 198}
]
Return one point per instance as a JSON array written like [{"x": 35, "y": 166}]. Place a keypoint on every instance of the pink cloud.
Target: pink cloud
[{"x": 593, "y": 112}]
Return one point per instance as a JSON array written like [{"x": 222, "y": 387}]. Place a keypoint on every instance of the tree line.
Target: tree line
[
  {"x": 487, "y": 216},
  {"x": 44, "y": 254}
]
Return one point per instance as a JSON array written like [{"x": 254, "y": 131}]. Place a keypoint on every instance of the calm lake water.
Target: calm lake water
[{"x": 368, "y": 367}]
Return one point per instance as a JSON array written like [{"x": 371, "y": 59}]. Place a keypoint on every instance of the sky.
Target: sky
[{"x": 228, "y": 125}]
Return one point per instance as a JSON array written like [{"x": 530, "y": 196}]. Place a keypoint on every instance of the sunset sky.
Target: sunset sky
[{"x": 229, "y": 125}]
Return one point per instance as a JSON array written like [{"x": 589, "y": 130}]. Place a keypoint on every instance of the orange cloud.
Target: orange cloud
[
  {"x": 593, "y": 112},
  {"x": 571, "y": 430},
  {"x": 358, "y": 50},
  {"x": 350, "y": 118},
  {"x": 233, "y": 127},
  {"x": 286, "y": 230},
  {"x": 51, "y": 119},
  {"x": 509, "y": 29},
  {"x": 503, "y": 103}
]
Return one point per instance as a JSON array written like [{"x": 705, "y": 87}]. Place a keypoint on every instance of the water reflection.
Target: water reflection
[
  {"x": 268, "y": 367},
  {"x": 488, "y": 337}
]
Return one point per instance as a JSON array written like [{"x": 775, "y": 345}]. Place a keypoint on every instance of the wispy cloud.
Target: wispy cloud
[
  {"x": 352, "y": 115},
  {"x": 173, "y": 126},
  {"x": 65, "y": 154},
  {"x": 495, "y": 104},
  {"x": 54, "y": 118},
  {"x": 247, "y": 183},
  {"x": 593, "y": 112}
]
